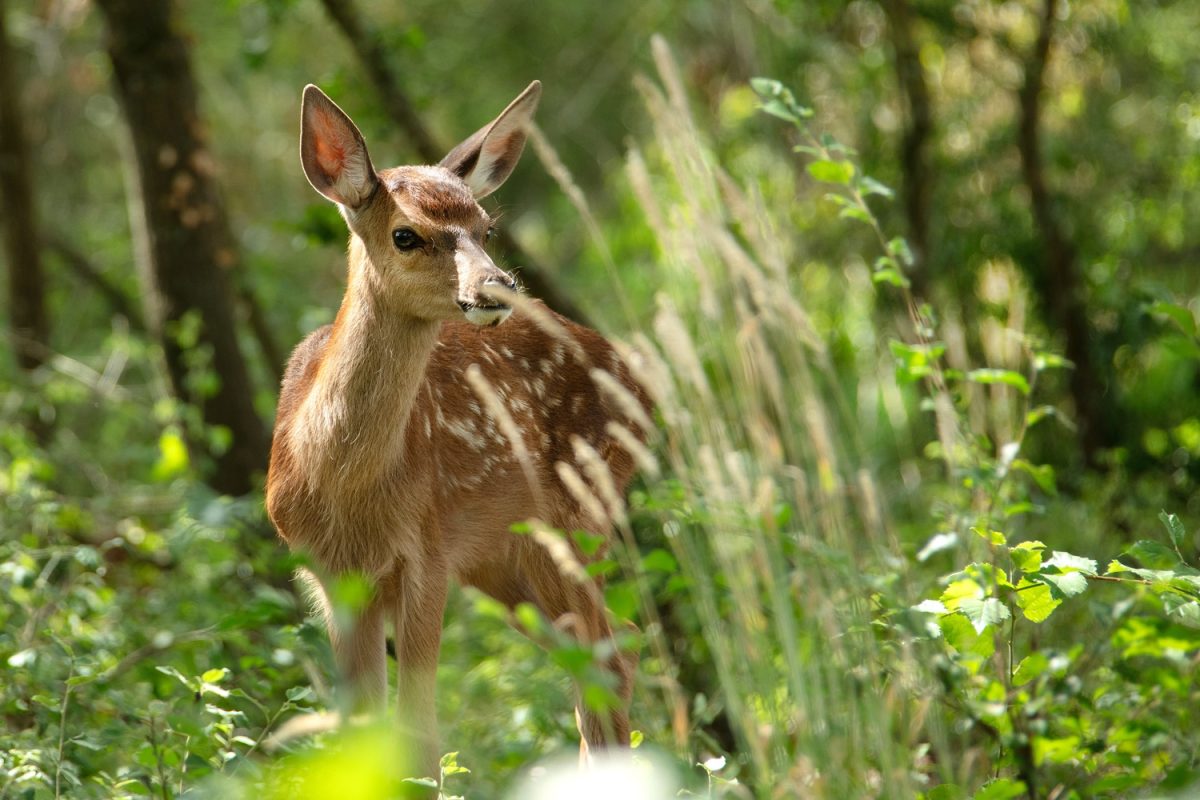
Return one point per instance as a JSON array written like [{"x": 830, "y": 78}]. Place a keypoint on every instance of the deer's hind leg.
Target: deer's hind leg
[{"x": 577, "y": 607}]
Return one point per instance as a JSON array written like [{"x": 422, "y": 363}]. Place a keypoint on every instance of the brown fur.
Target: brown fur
[{"x": 386, "y": 462}]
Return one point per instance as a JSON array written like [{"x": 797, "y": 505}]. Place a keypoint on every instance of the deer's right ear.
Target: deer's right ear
[{"x": 333, "y": 152}]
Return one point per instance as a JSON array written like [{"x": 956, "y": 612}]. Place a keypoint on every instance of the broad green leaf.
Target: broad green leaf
[
  {"x": 172, "y": 456},
  {"x": 1027, "y": 556},
  {"x": 931, "y": 607},
  {"x": 899, "y": 249},
  {"x": 1154, "y": 555},
  {"x": 1067, "y": 562},
  {"x": 960, "y": 590},
  {"x": 635, "y": 739},
  {"x": 1036, "y": 601},
  {"x": 991, "y": 537},
  {"x": 297, "y": 694},
  {"x": 659, "y": 560},
  {"x": 214, "y": 675},
  {"x": 1030, "y": 667},
  {"x": 588, "y": 543},
  {"x": 869, "y": 186},
  {"x": 962, "y": 636},
  {"x": 1056, "y": 751},
  {"x": 839, "y": 172},
  {"x": 936, "y": 544},
  {"x": 982, "y": 613},
  {"x": 1067, "y": 584},
  {"x": 1175, "y": 528},
  {"x": 853, "y": 212},
  {"x": 1001, "y": 789},
  {"x": 1007, "y": 377},
  {"x": 890, "y": 277},
  {"x": 1180, "y": 315},
  {"x": 1044, "y": 361},
  {"x": 1042, "y": 474}
]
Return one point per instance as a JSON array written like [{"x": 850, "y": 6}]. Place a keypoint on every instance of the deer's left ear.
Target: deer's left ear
[{"x": 487, "y": 158}]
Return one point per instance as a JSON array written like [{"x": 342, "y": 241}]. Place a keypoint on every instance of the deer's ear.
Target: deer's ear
[
  {"x": 333, "y": 152},
  {"x": 487, "y": 158}
]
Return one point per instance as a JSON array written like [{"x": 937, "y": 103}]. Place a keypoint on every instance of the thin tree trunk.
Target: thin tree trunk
[
  {"x": 190, "y": 249},
  {"x": 372, "y": 52},
  {"x": 1059, "y": 281},
  {"x": 26, "y": 284},
  {"x": 914, "y": 148}
]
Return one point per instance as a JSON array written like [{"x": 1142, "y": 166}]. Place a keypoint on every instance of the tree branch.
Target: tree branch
[
  {"x": 83, "y": 268},
  {"x": 26, "y": 282},
  {"x": 914, "y": 147},
  {"x": 1059, "y": 282}
]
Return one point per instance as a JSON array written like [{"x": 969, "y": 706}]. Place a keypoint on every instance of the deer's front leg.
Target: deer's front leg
[
  {"x": 360, "y": 651},
  {"x": 419, "y": 607}
]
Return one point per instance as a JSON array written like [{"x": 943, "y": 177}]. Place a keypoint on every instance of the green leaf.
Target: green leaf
[
  {"x": 1027, "y": 556},
  {"x": 1042, "y": 474},
  {"x": 635, "y": 739},
  {"x": 428, "y": 783},
  {"x": 1057, "y": 751},
  {"x": 298, "y": 694},
  {"x": 1007, "y": 377},
  {"x": 899, "y": 248},
  {"x": 869, "y": 186},
  {"x": 936, "y": 544},
  {"x": 1174, "y": 527},
  {"x": 1067, "y": 585},
  {"x": 1001, "y": 789},
  {"x": 449, "y": 765},
  {"x": 1154, "y": 555},
  {"x": 839, "y": 172},
  {"x": 1036, "y": 601},
  {"x": 1066, "y": 562},
  {"x": 659, "y": 560},
  {"x": 172, "y": 458},
  {"x": 982, "y": 613},
  {"x": 891, "y": 277},
  {"x": 1030, "y": 667},
  {"x": 214, "y": 675},
  {"x": 960, "y": 590},
  {"x": 962, "y": 636},
  {"x": 991, "y": 537},
  {"x": 1044, "y": 361},
  {"x": 1180, "y": 315},
  {"x": 914, "y": 362},
  {"x": 588, "y": 543}
]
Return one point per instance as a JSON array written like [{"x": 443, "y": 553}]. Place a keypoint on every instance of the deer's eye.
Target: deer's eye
[
  {"x": 406, "y": 239},
  {"x": 491, "y": 232}
]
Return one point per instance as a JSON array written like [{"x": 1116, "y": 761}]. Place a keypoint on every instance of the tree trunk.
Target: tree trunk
[
  {"x": 190, "y": 249},
  {"x": 1059, "y": 282},
  {"x": 914, "y": 148},
  {"x": 26, "y": 285},
  {"x": 373, "y": 54}
]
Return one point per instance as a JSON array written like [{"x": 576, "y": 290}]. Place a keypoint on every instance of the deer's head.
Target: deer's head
[{"x": 422, "y": 229}]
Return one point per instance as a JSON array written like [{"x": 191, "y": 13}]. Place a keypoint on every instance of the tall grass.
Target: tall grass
[{"x": 777, "y": 524}]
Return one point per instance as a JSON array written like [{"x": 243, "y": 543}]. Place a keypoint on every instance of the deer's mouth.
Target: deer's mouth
[{"x": 485, "y": 314}]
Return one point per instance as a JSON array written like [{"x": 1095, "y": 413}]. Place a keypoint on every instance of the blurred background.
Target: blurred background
[{"x": 990, "y": 325}]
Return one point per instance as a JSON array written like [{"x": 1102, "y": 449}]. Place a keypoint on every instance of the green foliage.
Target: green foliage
[{"x": 869, "y": 562}]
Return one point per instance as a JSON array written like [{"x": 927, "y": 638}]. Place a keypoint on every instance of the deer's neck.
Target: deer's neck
[{"x": 355, "y": 416}]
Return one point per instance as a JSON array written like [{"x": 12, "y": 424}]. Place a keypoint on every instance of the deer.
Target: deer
[{"x": 438, "y": 409}]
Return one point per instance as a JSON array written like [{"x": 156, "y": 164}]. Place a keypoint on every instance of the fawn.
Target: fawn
[{"x": 416, "y": 429}]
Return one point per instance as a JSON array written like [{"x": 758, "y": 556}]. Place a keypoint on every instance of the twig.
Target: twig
[{"x": 87, "y": 271}]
